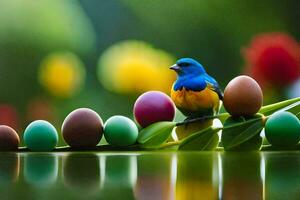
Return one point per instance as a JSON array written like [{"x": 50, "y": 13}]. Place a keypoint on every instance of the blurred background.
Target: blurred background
[{"x": 58, "y": 55}]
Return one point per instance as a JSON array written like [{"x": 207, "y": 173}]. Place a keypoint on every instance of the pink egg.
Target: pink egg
[{"x": 153, "y": 106}]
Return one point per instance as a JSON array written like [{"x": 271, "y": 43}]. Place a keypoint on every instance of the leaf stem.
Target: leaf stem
[{"x": 264, "y": 119}]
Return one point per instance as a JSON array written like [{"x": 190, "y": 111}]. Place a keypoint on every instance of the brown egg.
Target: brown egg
[
  {"x": 243, "y": 96},
  {"x": 82, "y": 128},
  {"x": 9, "y": 139}
]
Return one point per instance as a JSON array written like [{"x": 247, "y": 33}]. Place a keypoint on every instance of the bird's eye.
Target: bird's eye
[{"x": 184, "y": 64}]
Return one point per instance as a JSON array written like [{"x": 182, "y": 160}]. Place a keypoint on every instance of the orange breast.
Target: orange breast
[{"x": 196, "y": 100}]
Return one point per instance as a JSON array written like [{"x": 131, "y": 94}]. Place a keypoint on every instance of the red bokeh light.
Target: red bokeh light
[
  {"x": 273, "y": 59},
  {"x": 9, "y": 116}
]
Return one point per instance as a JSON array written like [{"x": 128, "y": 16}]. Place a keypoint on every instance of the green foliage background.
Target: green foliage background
[{"x": 213, "y": 32}]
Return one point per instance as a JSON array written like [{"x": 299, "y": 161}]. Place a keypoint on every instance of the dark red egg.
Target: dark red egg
[
  {"x": 9, "y": 139},
  {"x": 82, "y": 128},
  {"x": 153, "y": 106}
]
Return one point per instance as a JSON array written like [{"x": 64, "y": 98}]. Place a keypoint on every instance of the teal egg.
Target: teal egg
[
  {"x": 283, "y": 129},
  {"x": 40, "y": 135},
  {"x": 120, "y": 131}
]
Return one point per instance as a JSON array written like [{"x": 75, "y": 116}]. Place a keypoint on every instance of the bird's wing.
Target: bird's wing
[{"x": 212, "y": 84}]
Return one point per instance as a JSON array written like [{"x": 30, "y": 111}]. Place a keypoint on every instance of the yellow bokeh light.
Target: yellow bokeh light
[
  {"x": 62, "y": 74},
  {"x": 135, "y": 67}
]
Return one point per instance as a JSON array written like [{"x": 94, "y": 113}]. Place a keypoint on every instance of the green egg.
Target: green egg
[
  {"x": 40, "y": 135},
  {"x": 283, "y": 129},
  {"x": 120, "y": 131}
]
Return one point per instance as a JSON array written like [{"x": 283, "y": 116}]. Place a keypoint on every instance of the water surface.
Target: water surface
[{"x": 150, "y": 175}]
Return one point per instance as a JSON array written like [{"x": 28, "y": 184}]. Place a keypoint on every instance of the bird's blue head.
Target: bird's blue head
[{"x": 188, "y": 67}]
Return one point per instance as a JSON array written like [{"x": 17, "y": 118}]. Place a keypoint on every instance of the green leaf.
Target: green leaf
[
  {"x": 294, "y": 108},
  {"x": 246, "y": 135},
  {"x": 240, "y": 125},
  {"x": 270, "y": 109},
  {"x": 242, "y": 134},
  {"x": 206, "y": 139},
  {"x": 156, "y": 134}
]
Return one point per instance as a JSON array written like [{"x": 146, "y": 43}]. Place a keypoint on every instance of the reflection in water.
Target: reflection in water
[
  {"x": 241, "y": 175},
  {"x": 195, "y": 176},
  {"x": 154, "y": 176},
  {"x": 282, "y": 180},
  {"x": 9, "y": 168},
  {"x": 9, "y": 175},
  {"x": 40, "y": 169},
  {"x": 120, "y": 176},
  {"x": 81, "y": 173}
]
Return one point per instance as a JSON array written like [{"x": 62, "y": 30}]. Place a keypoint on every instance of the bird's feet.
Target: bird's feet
[
  {"x": 188, "y": 118},
  {"x": 192, "y": 119},
  {"x": 196, "y": 119}
]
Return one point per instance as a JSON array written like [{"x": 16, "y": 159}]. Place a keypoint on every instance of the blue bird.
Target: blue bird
[{"x": 195, "y": 93}]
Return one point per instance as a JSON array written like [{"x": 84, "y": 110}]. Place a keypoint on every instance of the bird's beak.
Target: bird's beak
[{"x": 175, "y": 67}]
